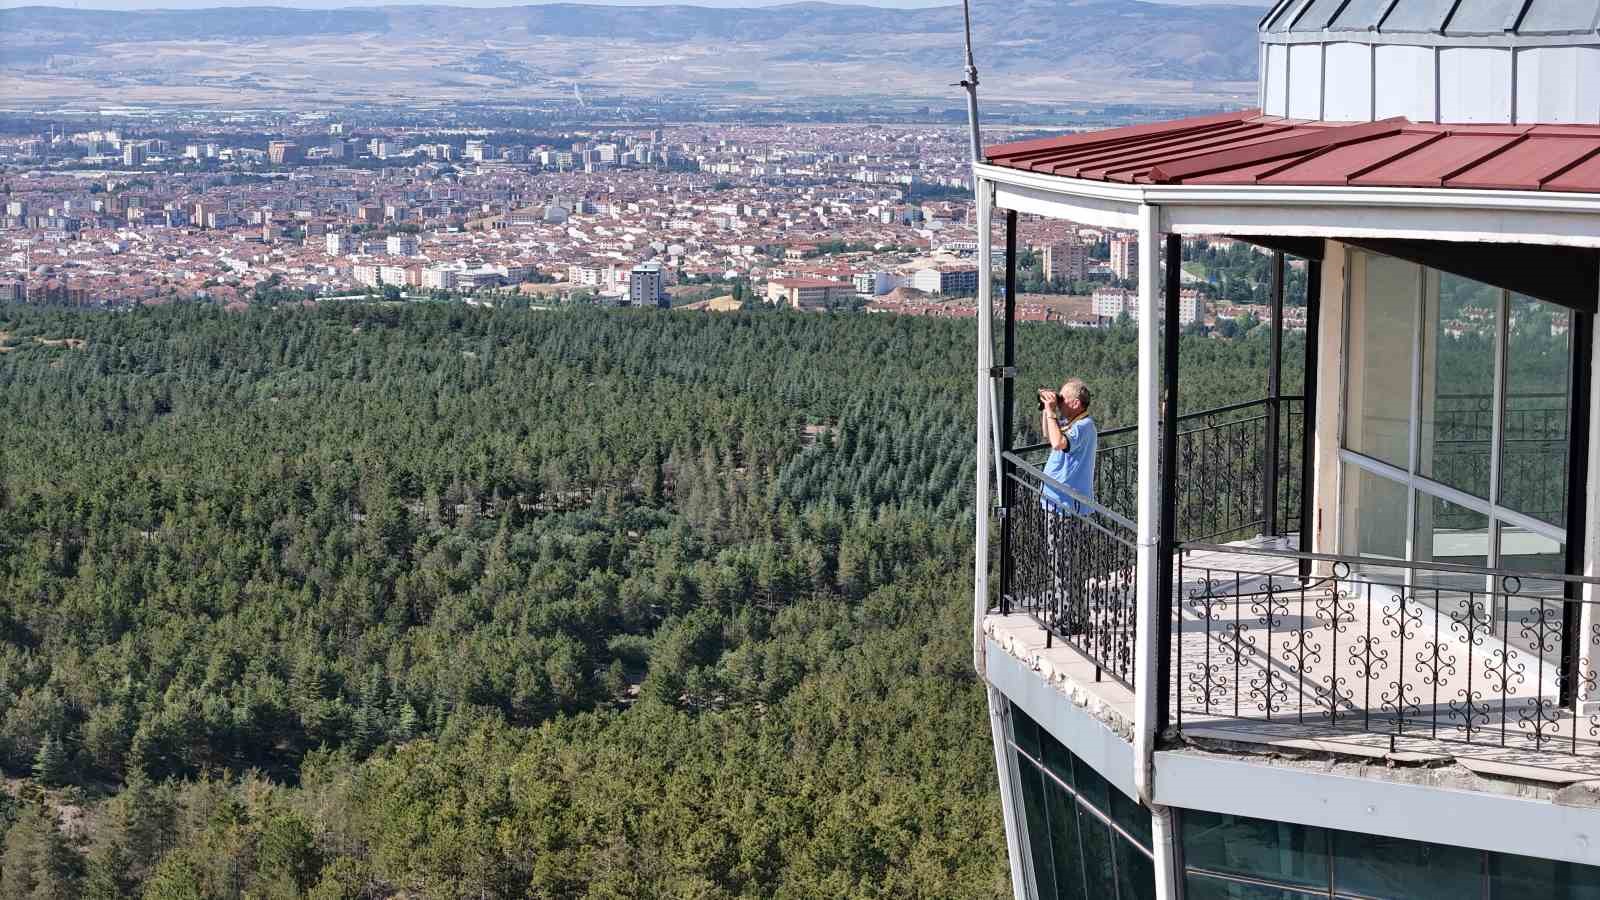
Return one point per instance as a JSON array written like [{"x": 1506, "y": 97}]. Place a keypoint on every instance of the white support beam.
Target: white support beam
[
  {"x": 985, "y": 355},
  {"x": 1587, "y": 695},
  {"x": 1148, "y": 581},
  {"x": 1008, "y": 796}
]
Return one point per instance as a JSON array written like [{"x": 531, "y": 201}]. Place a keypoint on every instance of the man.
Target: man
[{"x": 1073, "y": 441}]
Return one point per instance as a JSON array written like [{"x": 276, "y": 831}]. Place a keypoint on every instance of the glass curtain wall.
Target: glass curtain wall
[
  {"x": 1086, "y": 839},
  {"x": 1456, "y": 422},
  {"x": 1239, "y": 858}
]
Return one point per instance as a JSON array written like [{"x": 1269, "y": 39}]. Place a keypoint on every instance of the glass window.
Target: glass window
[
  {"x": 1277, "y": 851},
  {"x": 1099, "y": 876},
  {"x": 1376, "y": 866},
  {"x": 1073, "y": 852},
  {"x": 1457, "y": 432},
  {"x": 1136, "y": 873},
  {"x": 1449, "y": 533},
  {"x": 1516, "y": 877},
  {"x": 1382, "y": 340},
  {"x": 1203, "y": 887},
  {"x": 1533, "y": 438},
  {"x": 1066, "y": 849},
  {"x": 1025, "y": 731},
  {"x": 1374, "y": 514},
  {"x": 1038, "y": 818}
]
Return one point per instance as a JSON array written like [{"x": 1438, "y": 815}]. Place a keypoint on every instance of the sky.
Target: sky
[{"x": 343, "y": 4}]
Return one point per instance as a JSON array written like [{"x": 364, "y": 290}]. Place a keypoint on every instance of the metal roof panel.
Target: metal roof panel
[
  {"x": 1532, "y": 161},
  {"x": 1483, "y": 17},
  {"x": 1417, "y": 15},
  {"x": 1560, "y": 17},
  {"x": 1430, "y": 165},
  {"x": 1339, "y": 165}
]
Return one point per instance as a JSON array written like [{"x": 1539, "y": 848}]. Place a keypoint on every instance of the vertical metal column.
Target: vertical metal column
[
  {"x": 1008, "y": 400},
  {"x": 1308, "y": 408},
  {"x": 1269, "y": 492},
  {"x": 1577, "y": 495},
  {"x": 1169, "y": 482}
]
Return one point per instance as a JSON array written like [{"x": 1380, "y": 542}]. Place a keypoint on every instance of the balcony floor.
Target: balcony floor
[{"x": 1334, "y": 673}]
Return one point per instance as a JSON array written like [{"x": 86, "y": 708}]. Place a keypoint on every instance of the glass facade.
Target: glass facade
[
  {"x": 1238, "y": 858},
  {"x": 1457, "y": 419},
  {"x": 1086, "y": 839}
]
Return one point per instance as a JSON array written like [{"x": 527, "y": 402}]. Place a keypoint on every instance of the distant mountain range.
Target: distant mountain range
[{"x": 1033, "y": 50}]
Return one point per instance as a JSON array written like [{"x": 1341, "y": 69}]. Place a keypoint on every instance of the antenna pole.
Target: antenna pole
[{"x": 970, "y": 83}]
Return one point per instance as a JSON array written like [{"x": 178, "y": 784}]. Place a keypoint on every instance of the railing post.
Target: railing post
[
  {"x": 1169, "y": 480},
  {"x": 1008, "y": 413},
  {"x": 1578, "y": 475},
  {"x": 1308, "y": 410},
  {"x": 1269, "y": 492}
]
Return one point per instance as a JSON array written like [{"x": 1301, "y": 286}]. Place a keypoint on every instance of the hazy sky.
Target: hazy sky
[{"x": 338, "y": 4}]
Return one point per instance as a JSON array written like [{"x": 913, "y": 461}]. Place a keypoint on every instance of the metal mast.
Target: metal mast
[{"x": 970, "y": 83}]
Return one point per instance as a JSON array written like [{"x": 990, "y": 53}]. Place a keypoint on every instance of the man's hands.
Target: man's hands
[{"x": 1049, "y": 398}]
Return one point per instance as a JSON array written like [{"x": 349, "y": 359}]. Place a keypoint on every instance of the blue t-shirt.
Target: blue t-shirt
[{"x": 1074, "y": 466}]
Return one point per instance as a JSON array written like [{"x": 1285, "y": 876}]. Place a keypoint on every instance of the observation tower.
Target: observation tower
[{"x": 1341, "y": 639}]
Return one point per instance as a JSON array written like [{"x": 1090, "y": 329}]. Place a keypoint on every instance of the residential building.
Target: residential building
[
  {"x": 338, "y": 243},
  {"x": 1340, "y": 642},
  {"x": 1065, "y": 261},
  {"x": 283, "y": 153},
  {"x": 807, "y": 293},
  {"x": 133, "y": 153},
  {"x": 647, "y": 286},
  {"x": 402, "y": 245},
  {"x": 946, "y": 280},
  {"x": 1125, "y": 257}
]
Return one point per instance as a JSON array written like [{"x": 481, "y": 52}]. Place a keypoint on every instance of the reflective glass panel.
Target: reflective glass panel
[
  {"x": 1451, "y": 534},
  {"x": 1382, "y": 340},
  {"x": 1065, "y": 848},
  {"x": 1256, "y": 848},
  {"x": 1034, "y": 803},
  {"x": 1136, "y": 873},
  {"x": 1533, "y": 439},
  {"x": 1098, "y": 874},
  {"x": 1374, "y": 515},
  {"x": 1529, "y": 608},
  {"x": 1376, "y": 866},
  {"x": 1513, "y": 877},
  {"x": 1201, "y": 887},
  {"x": 1461, "y": 317}
]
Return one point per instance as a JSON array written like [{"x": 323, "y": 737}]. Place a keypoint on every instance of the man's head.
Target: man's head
[{"x": 1075, "y": 397}]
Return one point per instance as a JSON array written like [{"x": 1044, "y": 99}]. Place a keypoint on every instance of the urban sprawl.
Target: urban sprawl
[{"x": 872, "y": 217}]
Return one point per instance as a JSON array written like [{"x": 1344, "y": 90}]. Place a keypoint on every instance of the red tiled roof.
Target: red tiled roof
[{"x": 1249, "y": 148}]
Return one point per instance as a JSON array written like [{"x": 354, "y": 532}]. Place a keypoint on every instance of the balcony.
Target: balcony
[{"x": 1364, "y": 656}]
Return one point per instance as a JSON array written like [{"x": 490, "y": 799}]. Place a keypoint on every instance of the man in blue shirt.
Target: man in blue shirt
[{"x": 1073, "y": 441}]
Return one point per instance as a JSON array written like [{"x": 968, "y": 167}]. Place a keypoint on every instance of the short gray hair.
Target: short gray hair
[{"x": 1076, "y": 390}]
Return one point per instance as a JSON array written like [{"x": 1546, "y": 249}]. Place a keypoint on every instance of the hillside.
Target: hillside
[{"x": 1035, "y": 50}]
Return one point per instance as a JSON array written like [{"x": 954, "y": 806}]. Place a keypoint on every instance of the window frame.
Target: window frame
[{"x": 1416, "y": 484}]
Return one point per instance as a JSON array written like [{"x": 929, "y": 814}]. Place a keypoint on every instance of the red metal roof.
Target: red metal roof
[{"x": 1249, "y": 148}]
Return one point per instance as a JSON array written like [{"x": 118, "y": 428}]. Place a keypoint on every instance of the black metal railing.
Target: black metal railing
[
  {"x": 1379, "y": 651},
  {"x": 1069, "y": 563},
  {"x": 1222, "y": 470},
  {"x": 1533, "y": 451}
]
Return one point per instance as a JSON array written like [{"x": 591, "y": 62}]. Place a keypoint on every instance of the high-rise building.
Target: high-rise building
[
  {"x": 336, "y": 149},
  {"x": 133, "y": 153},
  {"x": 338, "y": 243},
  {"x": 1065, "y": 261},
  {"x": 946, "y": 280},
  {"x": 647, "y": 286},
  {"x": 283, "y": 153},
  {"x": 402, "y": 245},
  {"x": 1125, "y": 257},
  {"x": 1341, "y": 641}
]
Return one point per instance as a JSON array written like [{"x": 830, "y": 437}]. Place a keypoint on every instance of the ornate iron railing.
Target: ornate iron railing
[
  {"x": 1069, "y": 563},
  {"x": 1387, "y": 653},
  {"x": 1533, "y": 451}
]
